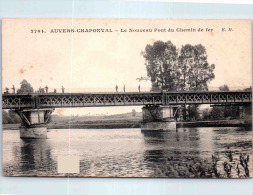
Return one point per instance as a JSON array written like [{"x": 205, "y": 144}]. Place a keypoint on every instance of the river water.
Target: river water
[{"x": 129, "y": 152}]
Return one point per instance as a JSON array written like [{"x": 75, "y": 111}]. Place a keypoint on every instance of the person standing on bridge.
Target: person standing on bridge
[
  {"x": 46, "y": 89},
  {"x": 7, "y": 90},
  {"x": 40, "y": 91},
  {"x": 139, "y": 88},
  {"x": 62, "y": 88},
  {"x": 124, "y": 88},
  {"x": 116, "y": 88},
  {"x": 13, "y": 88}
]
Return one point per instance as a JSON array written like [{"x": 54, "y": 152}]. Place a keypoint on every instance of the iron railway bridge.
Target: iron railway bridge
[{"x": 61, "y": 100}]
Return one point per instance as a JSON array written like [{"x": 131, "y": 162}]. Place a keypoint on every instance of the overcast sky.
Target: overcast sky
[{"x": 99, "y": 61}]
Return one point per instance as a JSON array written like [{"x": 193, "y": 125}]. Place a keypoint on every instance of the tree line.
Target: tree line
[
  {"x": 10, "y": 117},
  {"x": 177, "y": 69}
]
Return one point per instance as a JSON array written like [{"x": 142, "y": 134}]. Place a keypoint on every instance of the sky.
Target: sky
[{"x": 92, "y": 61}]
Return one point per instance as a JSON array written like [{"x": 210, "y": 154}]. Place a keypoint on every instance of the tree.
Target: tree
[
  {"x": 248, "y": 89},
  {"x": 205, "y": 114},
  {"x": 5, "y": 117},
  {"x": 217, "y": 113},
  {"x": 224, "y": 88},
  {"x": 195, "y": 73},
  {"x": 193, "y": 112},
  {"x": 173, "y": 69},
  {"x": 195, "y": 70},
  {"x": 14, "y": 117},
  {"x": 161, "y": 64},
  {"x": 25, "y": 88},
  {"x": 184, "y": 63},
  {"x": 10, "y": 117}
]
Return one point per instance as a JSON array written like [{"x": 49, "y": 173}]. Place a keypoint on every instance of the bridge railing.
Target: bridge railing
[
  {"x": 120, "y": 89},
  {"x": 128, "y": 89}
]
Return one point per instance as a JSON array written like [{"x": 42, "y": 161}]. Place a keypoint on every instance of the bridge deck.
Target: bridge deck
[{"x": 59, "y": 100}]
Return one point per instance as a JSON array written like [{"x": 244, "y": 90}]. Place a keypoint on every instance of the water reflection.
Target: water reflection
[
  {"x": 155, "y": 137},
  {"x": 169, "y": 149},
  {"x": 181, "y": 139},
  {"x": 35, "y": 155}
]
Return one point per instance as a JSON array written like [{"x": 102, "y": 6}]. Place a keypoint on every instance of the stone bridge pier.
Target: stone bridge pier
[
  {"x": 34, "y": 122},
  {"x": 157, "y": 117}
]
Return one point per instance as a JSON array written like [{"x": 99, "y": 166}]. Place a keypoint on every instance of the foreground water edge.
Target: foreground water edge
[{"x": 189, "y": 152}]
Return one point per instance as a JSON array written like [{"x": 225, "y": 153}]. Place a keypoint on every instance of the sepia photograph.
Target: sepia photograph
[{"x": 135, "y": 98}]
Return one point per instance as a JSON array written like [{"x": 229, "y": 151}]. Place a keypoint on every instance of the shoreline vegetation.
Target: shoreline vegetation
[
  {"x": 121, "y": 124},
  {"x": 221, "y": 165},
  {"x": 125, "y": 120}
]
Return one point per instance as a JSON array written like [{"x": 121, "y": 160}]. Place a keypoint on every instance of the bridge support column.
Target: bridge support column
[
  {"x": 158, "y": 118},
  {"x": 34, "y": 122}
]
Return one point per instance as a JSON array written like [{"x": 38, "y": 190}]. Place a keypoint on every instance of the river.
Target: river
[{"x": 129, "y": 152}]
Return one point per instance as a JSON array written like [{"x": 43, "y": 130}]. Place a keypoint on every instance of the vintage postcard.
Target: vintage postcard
[{"x": 157, "y": 98}]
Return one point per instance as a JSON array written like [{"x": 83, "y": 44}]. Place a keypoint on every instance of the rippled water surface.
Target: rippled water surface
[{"x": 124, "y": 152}]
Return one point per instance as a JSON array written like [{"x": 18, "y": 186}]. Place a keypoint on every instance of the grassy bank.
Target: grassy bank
[{"x": 220, "y": 165}]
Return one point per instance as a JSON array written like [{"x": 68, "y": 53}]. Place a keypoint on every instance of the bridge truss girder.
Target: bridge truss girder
[{"x": 14, "y": 101}]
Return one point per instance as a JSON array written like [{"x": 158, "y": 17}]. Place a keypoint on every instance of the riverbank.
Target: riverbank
[
  {"x": 120, "y": 124},
  {"x": 217, "y": 123}
]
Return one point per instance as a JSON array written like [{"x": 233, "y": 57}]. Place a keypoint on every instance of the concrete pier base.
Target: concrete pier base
[
  {"x": 158, "y": 118},
  {"x": 37, "y": 132},
  {"x": 159, "y": 126},
  {"x": 34, "y": 122}
]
